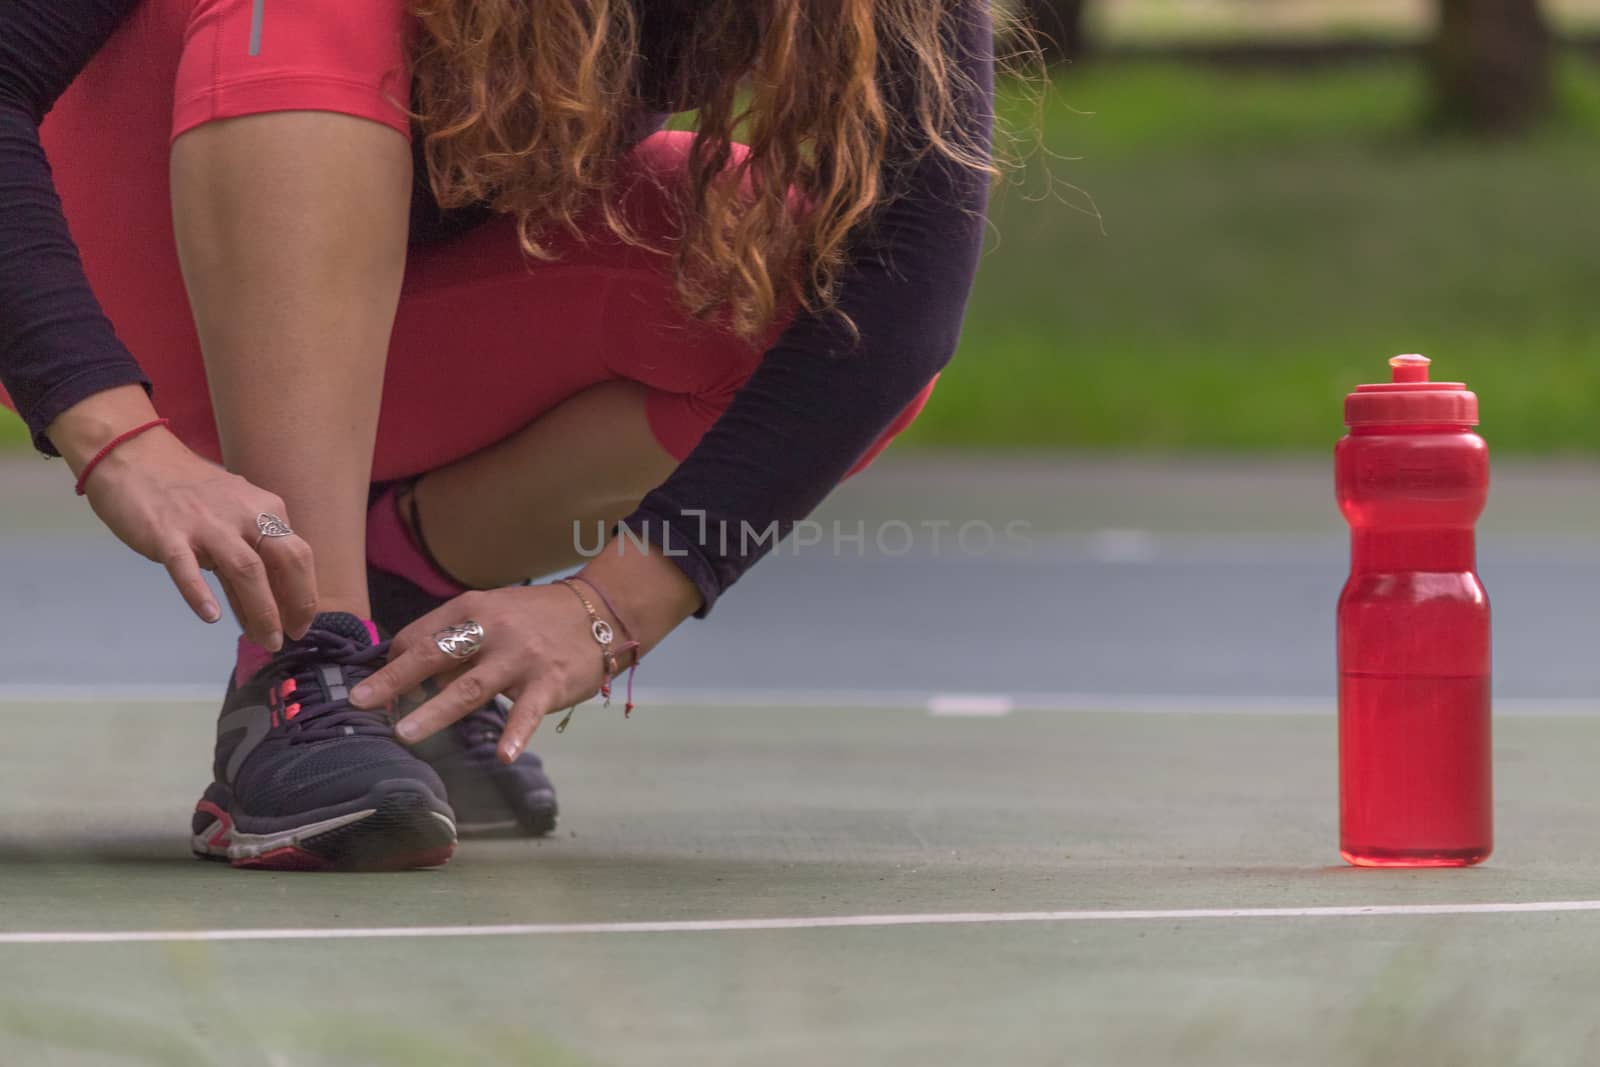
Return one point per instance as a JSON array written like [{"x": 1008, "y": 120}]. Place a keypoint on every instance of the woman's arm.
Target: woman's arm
[
  {"x": 817, "y": 402},
  {"x": 56, "y": 346},
  {"x": 814, "y": 406},
  {"x": 78, "y": 387}
]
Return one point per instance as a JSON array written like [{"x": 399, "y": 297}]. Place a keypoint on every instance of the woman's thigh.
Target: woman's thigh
[{"x": 485, "y": 339}]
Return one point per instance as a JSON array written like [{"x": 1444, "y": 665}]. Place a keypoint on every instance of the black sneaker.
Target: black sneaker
[
  {"x": 303, "y": 781},
  {"x": 490, "y": 798}
]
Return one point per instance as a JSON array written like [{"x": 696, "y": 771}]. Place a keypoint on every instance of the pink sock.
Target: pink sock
[
  {"x": 252, "y": 657},
  {"x": 390, "y": 547}
]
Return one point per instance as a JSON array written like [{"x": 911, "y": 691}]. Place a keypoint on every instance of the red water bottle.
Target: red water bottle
[{"x": 1414, "y": 759}]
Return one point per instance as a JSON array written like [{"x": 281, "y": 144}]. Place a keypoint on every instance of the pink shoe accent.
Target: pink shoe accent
[
  {"x": 224, "y": 824},
  {"x": 372, "y": 629},
  {"x": 390, "y": 548}
]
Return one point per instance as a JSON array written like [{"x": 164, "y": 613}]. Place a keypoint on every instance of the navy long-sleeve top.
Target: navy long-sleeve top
[{"x": 816, "y": 402}]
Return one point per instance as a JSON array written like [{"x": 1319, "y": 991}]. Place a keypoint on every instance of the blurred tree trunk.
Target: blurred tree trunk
[
  {"x": 1491, "y": 65},
  {"x": 1060, "y": 25}
]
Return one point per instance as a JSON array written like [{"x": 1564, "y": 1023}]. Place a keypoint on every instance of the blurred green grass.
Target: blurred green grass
[
  {"x": 1268, "y": 240},
  {"x": 1187, "y": 22}
]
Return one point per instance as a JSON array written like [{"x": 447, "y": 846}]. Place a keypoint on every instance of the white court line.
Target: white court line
[
  {"x": 25, "y": 696},
  {"x": 980, "y": 918},
  {"x": 970, "y": 705}
]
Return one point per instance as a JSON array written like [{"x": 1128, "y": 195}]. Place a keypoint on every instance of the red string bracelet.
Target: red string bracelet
[
  {"x": 121, "y": 438},
  {"x": 627, "y": 635}
]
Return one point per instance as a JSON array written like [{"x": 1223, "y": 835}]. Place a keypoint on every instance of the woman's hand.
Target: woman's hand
[
  {"x": 174, "y": 507},
  {"x": 538, "y": 645},
  {"x": 537, "y": 649}
]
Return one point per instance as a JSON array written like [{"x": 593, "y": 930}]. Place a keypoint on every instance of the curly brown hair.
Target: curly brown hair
[{"x": 526, "y": 106}]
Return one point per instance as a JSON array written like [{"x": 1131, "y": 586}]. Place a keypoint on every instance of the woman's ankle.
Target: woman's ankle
[
  {"x": 396, "y": 544},
  {"x": 251, "y": 657}
]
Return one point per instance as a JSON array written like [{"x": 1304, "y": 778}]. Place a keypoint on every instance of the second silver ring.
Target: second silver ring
[{"x": 461, "y": 641}]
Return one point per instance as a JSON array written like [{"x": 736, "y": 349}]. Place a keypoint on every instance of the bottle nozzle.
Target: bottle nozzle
[
  {"x": 1410, "y": 368},
  {"x": 1411, "y": 399}
]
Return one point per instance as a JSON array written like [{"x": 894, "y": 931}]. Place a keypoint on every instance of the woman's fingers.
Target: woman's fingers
[
  {"x": 533, "y": 648},
  {"x": 245, "y": 576},
  {"x": 189, "y": 514},
  {"x": 418, "y": 636},
  {"x": 403, "y": 673},
  {"x": 185, "y": 572},
  {"x": 532, "y": 705},
  {"x": 468, "y": 692},
  {"x": 292, "y": 574},
  {"x": 414, "y": 656}
]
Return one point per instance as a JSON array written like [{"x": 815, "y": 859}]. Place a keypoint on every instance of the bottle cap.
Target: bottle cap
[{"x": 1411, "y": 399}]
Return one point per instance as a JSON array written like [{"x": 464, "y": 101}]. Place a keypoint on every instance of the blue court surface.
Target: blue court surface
[{"x": 1065, "y": 802}]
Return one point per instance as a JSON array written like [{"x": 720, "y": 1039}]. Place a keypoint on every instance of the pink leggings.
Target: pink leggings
[{"x": 485, "y": 340}]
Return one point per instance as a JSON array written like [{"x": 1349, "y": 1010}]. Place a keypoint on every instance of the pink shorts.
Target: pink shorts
[{"x": 485, "y": 340}]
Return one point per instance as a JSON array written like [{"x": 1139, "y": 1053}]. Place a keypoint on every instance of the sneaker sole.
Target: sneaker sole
[
  {"x": 401, "y": 830},
  {"x": 521, "y": 821}
]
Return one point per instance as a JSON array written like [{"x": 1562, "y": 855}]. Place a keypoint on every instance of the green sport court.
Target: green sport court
[{"x": 846, "y": 867}]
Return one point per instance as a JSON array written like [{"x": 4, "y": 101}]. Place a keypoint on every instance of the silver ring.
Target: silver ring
[
  {"x": 271, "y": 526},
  {"x": 461, "y": 641}
]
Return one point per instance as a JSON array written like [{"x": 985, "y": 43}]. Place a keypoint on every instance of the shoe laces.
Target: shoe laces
[{"x": 313, "y": 717}]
